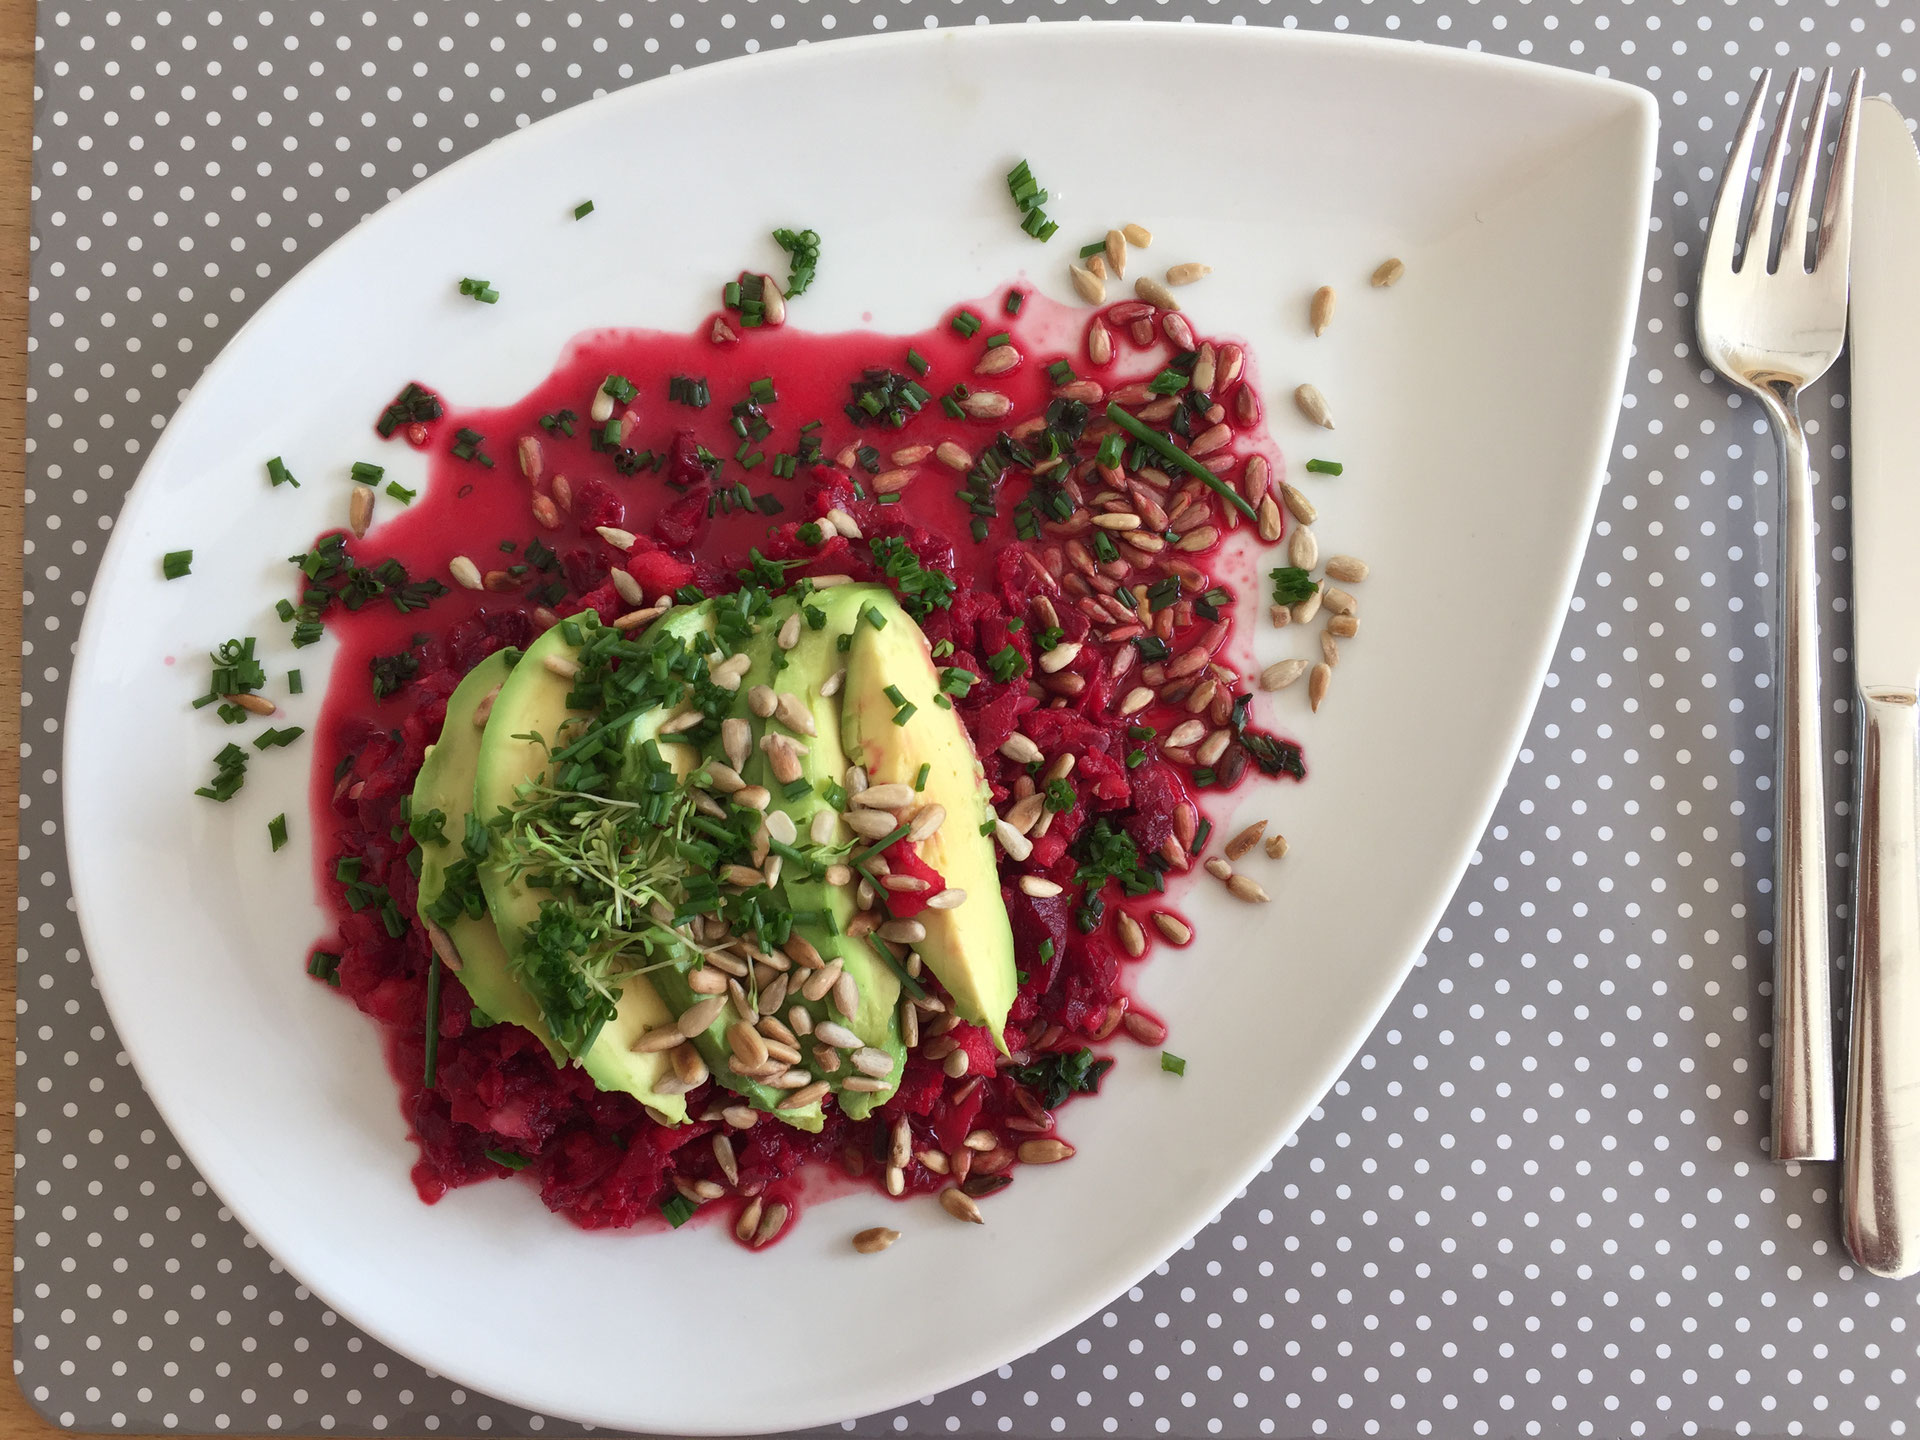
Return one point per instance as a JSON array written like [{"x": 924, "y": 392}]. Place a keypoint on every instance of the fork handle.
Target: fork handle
[
  {"x": 1880, "y": 1169},
  {"x": 1803, "y": 1102}
]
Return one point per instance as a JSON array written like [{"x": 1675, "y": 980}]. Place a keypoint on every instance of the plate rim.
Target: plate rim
[{"x": 1638, "y": 109}]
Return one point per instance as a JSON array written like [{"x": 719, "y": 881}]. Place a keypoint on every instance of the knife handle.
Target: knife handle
[
  {"x": 1803, "y": 1106},
  {"x": 1880, "y": 1169}
]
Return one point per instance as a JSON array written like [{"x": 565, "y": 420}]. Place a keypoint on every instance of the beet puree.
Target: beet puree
[{"x": 499, "y": 1103}]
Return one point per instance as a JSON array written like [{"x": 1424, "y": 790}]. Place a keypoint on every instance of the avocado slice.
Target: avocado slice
[
  {"x": 678, "y": 627},
  {"x": 530, "y": 711},
  {"x": 814, "y": 660},
  {"x": 970, "y": 948},
  {"x": 445, "y": 783}
]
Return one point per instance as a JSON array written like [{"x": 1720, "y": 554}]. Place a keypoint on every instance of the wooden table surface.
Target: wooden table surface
[{"x": 17, "y": 1417}]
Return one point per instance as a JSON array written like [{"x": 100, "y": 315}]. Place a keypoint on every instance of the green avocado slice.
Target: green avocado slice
[
  {"x": 445, "y": 784},
  {"x": 802, "y": 671},
  {"x": 970, "y": 947},
  {"x": 528, "y": 714},
  {"x": 679, "y": 627}
]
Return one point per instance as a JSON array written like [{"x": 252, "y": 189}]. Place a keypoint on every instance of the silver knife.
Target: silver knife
[{"x": 1880, "y": 1158}]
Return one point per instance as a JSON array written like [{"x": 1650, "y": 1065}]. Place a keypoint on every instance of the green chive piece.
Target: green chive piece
[
  {"x": 581, "y": 212},
  {"x": 295, "y": 685},
  {"x": 277, "y": 830},
  {"x": 400, "y": 492},
  {"x": 507, "y": 1157},
  {"x": 483, "y": 292},
  {"x": 919, "y": 362},
  {"x": 366, "y": 472},
  {"x": 1015, "y": 299},
  {"x": 1098, "y": 247},
  {"x": 278, "y": 473},
  {"x": 1169, "y": 451},
  {"x": 1172, "y": 1063},
  {"x": 966, "y": 324},
  {"x": 176, "y": 563},
  {"x": 920, "y": 780},
  {"x": 994, "y": 342},
  {"x": 678, "y": 1209},
  {"x": 1325, "y": 467},
  {"x": 433, "y": 1019}
]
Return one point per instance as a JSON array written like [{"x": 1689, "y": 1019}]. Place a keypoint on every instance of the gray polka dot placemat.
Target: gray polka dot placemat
[{"x": 1538, "y": 1202}]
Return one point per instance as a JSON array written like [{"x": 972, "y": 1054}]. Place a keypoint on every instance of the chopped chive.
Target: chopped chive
[
  {"x": 994, "y": 342},
  {"x": 507, "y": 1157},
  {"x": 1325, "y": 467},
  {"x": 1172, "y": 1063},
  {"x": 277, "y": 830},
  {"x": 966, "y": 324},
  {"x": 918, "y": 361},
  {"x": 1169, "y": 451},
  {"x": 892, "y": 692},
  {"x": 324, "y": 965},
  {"x": 366, "y": 472},
  {"x": 1015, "y": 299},
  {"x": 581, "y": 212},
  {"x": 295, "y": 685},
  {"x": 483, "y": 292},
  {"x": 433, "y": 1018},
  {"x": 176, "y": 563},
  {"x": 400, "y": 492},
  {"x": 1060, "y": 372},
  {"x": 1200, "y": 837},
  {"x": 278, "y": 473},
  {"x": 905, "y": 713},
  {"x": 1098, "y": 247},
  {"x": 920, "y": 780}
]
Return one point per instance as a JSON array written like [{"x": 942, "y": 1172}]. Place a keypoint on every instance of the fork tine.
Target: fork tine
[
  {"x": 1766, "y": 193},
  {"x": 1793, "y": 239},
  {"x": 1836, "y": 218},
  {"x": 1723, "y": 231}
]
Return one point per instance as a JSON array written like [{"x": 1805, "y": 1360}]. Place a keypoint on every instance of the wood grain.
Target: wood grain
[{"x": 17, "y": 1417}]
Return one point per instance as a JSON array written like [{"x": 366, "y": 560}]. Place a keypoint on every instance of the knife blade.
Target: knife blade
[
  {"x": 1880, "y": 1155},
  {"x": 1885, "y": 320}
]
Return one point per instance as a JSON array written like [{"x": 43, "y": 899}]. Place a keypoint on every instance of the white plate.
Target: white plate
[{"x": 1475, "y": 403}]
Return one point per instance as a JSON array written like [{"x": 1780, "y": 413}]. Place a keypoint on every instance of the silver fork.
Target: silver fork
[{"x": 1772, "y": 323}]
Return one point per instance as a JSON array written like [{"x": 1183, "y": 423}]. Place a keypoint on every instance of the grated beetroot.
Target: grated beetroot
[{"x": 598, "y": 1158}]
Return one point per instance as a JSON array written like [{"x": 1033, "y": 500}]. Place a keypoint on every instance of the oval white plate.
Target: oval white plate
[{"x": 1475, "y": 405}]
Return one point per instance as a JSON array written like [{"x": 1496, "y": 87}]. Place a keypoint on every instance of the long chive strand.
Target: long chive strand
[{"x": 1167, "y": 449}]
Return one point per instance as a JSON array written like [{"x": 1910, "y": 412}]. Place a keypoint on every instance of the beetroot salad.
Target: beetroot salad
[{"x": 757, "y": 750}]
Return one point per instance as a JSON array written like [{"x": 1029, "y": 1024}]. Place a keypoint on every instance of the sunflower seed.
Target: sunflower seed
[
  {"x": 1306, "y": 609},
  {"x": 748, "y": 1045},
  {"x": 1346, "y": 568},
  {"x": 871, "y": 824},
  {"x": 1329, "y": 648},
  {"x": 953, "y": 457},
  {"x": 774, "y": 302},
  {"x": 903, "y": 932},
  {"x": 619, "y": 539},
  {"x": 1245, "y": 887},
  {"x": 1021, "y": 750},
  {"x": 1132, "y": 939},
  {"x": 749, "y": 1220},
  {"x": 602, "y": 408},
  {"x": 1245, "y": 840},
  {"x": 1025, "y": 813},
  {"x": 821, "y": 982},
  {"x": 465, "y": 573},
  {"x": 658, "y": 1041},
  {"x": 1270, "y": 526},
  {"x": 562, "y": 665},
  {"x": 1199, "y": 539},
  {"x": 1011, "y": 840},
  {"x": 1099, "y": 343},
  {"x": 360, "y": 510},
  {"x": 957, "y": 1203},
  {"x": 1210, "y": 440},
  {"x": 1312, "y": 404},
  {"x": 760, "y": 700},
  {"x": 1156, "y": 294},
  {"x": 997, "y": 361},
  {"x": 891, "y": 796},
  {"x": 1303, "y": 549},
  {"x": 1187, "y": 732},
  {"x": 697, "y": 1017},
  {"x": 1098, "y": 265},
  {"x": 1037, "y": 887},
  {"x": 1044, "y": 1152},
  {"x": 955, "y": 1064},
  {"x": 1137, "y": 235},
  {"x": 791, "y": 711},
  {"x": 740, "y": 1117},
  {"x": 1059, "y": 657},
  {"x": 1137, "y": 699},
  {"x": 754, "y": 797},
  {"x": 562, "y": 489},
  {"x": 1301, "y": 507},
  {"x": 874, "y": 1240},
  {"x": 1144, "y": 1028},
  {"x": 1389, "y": 272},
  {"x": 1211, "y": 749},
  {"x": 1317, "y": 684},
  {"x": 1172, "y": 926},
  {"x": 1320, "y": 310},
  {"x": 1343, "y": 626},
  {"x": 985, "y": 404},
  {"x": 836, "y": 1035},
  {"x": 1186, "y": 274},
  {"x": 1091, "y": 287},
  {"x": 951, "y": 898},
  {"x": 869, "y": 1061},
  {"x": 1276, "y": 846}
]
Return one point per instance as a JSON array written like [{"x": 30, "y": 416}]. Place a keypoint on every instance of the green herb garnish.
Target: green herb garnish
[{"x": 176, "y": 563}]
